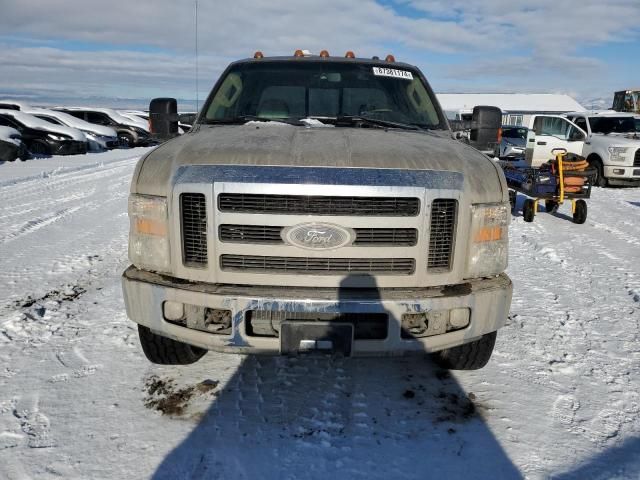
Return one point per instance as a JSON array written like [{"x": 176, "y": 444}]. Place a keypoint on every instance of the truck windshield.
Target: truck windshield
[
  {"x": 608, "y": 125},
  {"x": 343, "y": 94}
]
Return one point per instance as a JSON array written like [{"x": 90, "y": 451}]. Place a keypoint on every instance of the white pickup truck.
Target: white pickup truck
[{"x": 607, "y": 139}]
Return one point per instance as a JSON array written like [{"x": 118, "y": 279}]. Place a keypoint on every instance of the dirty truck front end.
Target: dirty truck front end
[{"x": 318, "y": 204}]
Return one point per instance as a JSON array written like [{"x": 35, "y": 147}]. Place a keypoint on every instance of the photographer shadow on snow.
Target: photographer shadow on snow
[{"x": 326, "y": 416}]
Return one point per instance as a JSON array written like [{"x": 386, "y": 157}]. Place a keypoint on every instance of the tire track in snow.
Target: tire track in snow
[{"x": 34, "y": 225}]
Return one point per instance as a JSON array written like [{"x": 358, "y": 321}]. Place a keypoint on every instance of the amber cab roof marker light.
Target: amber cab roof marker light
[
  {"x": 258, "y": 54},
  {"x": 298, "y": 53},
  {"x": 390, "y": 58},
  {"x": 349, "y": 54},
  {"x": 324, "y": 54}
]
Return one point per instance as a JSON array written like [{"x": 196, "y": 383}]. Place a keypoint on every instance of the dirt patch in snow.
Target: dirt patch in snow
[
  {"x": 164, "y": 396},
  {"x": 68, "y": 294}
]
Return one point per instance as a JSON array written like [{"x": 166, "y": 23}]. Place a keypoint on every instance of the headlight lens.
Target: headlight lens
[
  {"x": 149, "y": 233},
  {"x": 489, "y": 240},
  {"x": 616, "y": 154},
  {"x": 58, "y": 138}
]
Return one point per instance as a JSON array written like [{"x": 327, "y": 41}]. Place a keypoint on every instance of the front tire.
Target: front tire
[
  {"x": 165, "y": 351},
  {"x": 469, "y": 356},
  {"x": 600, "y": 180}
]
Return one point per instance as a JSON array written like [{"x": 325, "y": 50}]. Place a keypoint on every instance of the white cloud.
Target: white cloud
[{"x": 146, "y": 47}]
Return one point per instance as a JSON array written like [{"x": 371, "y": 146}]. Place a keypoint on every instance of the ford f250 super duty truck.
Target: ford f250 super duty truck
[{"x": 318, "y": 203}]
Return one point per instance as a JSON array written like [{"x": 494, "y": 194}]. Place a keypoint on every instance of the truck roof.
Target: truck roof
[
  {"x": 601, "y": 113},
  {"x": 317, "y": 58}
]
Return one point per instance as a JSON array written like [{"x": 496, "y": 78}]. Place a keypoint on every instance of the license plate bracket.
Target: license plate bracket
[{"x": 326, "y": 337}]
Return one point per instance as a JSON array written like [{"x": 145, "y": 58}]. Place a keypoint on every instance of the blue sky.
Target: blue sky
[{"x": 62, "y": 50}]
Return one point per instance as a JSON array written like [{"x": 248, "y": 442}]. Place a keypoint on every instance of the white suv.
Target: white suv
[{"x": 612, "y": 145}]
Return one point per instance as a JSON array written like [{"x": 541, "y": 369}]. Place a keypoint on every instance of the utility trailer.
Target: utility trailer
[{"x": 554, "y": 183}]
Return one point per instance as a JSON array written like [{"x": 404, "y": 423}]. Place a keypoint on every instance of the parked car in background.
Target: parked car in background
[
  {"x": 42, "y": 137},
  {"x": 130, "y": 132},
  {"x": 186, "y": 120},
  {"x": 513, "y": 142},
  {"x": 13, "y": 105},
  {"x": 11, "y": 146},
  {"x": 99, "y": 137}
]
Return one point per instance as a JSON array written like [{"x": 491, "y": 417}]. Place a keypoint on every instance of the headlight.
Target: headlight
[
  {"x": 616, "y": 154},
  {"x": 149, "y": 233},
  {"x": 58, "y": 138},
  {"x": 489, "y": 240}
]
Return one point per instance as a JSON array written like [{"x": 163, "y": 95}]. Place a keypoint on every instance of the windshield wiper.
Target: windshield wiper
[
  {"x": 359, "y": 120},
  {"x": 242, "y": 119}
]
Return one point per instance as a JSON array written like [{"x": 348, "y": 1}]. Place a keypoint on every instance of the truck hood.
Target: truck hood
[
  {"x": 622, "y": 139},
  {"x": 286, "y": 145}
]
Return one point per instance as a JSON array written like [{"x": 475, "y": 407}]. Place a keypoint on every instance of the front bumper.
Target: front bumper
[
  {"x": 145, "y": 293},
  {"x": 622, "y": 175},
  {"x": 9, "y": 151},
  {"x": 68, "y": 147}
]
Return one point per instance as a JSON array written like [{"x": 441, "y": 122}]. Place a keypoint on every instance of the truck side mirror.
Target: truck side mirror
[
  {"x": 485, "y": 125},
  {"x": 163, "y": 118}
]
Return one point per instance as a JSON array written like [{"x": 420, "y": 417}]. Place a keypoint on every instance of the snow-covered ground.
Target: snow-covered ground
[{"x": 560, "y": 397}]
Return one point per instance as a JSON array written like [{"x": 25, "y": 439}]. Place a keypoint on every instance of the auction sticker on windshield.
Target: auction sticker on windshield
[{"x": 392, "y": 72}]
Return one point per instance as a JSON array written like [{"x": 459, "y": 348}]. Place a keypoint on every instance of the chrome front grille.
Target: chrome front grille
[
  {"x": 270, "y": 234},
  {"x": 406, "y": 237},
  {"x": 264, "y": 234},
  {"x": 193, "y": 212},
  {"x": 442, "y": 235},
  {"x": 319, "y": 205},
  {"x": 636, "y": 159},
  {"x": 318, "y": 266}
]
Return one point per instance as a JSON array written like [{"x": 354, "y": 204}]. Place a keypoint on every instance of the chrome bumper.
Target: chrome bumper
[{"x": 145, "y": 293}]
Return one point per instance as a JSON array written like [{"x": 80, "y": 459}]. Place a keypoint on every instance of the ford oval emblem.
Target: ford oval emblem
[{"x": 318, "y": 236}]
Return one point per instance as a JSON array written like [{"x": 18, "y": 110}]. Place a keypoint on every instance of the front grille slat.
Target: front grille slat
[
  {"x": 442, "y": 234},
  {"x": 319, "y": 205},
  {"x": 271, "y": 234},
  {"x": 297, "y": 265},
  {"x": 193, "y": 211}
]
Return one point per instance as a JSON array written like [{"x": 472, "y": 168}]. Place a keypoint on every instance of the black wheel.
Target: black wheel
[
  {"x": 126, "y": 140},
  {"x": 164, "y": 351},
  {"x": 39, "y": 149},
  {"x": 551, "y": 206},
  {"x": 596, "y": 164},
  {"x": 528, "y": 210},
  {"x": 512, "y": 200},
  {"x": 580, "y": 213},
  {"x": 470, "y": 356}
]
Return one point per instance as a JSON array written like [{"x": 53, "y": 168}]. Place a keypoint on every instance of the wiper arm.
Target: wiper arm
[
  {"x": 356, "y": 119},
  {"x": 242, "y": 119}
]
